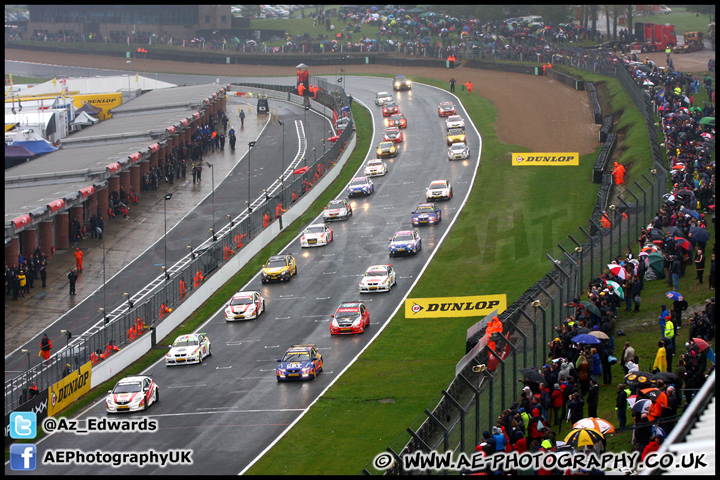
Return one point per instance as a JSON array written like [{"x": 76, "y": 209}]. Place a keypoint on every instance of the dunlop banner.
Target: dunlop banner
[
  {"x": 473, "y": 306},
  {"x": 104, "y": 101},
  {"x": 545, "y": 159},
  {"x": 69, "y": 389}
]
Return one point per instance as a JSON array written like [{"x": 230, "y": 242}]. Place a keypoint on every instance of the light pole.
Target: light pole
[
  {"x": 168, "y": 196},
  {"x": 232, "y": 222},
  {"x": 212, "y": 176},
  {"x": 28, "y": 355},
  {"x": 128, "y": 65},
  {"x": 249, "y": 202},
  {"x": 315, "y": 155},
  {"x": 307, "y": 107},
  {"x": 282, "y": 159},
  {"x": 68, "y": 336}
]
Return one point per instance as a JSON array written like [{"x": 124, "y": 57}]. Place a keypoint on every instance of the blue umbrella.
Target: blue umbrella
[
  {"x": 686, "y": 211},
  {"x": 700, "y": 234},
  {"x": 674, "y": 296},
  {"x": 586, "y": 339}
]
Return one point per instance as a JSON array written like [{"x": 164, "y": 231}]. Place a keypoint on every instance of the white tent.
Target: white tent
[{"x": 84, "y": 120}]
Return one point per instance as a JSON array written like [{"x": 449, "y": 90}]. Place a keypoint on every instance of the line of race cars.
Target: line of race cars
[{"x": 351, "y": 317}]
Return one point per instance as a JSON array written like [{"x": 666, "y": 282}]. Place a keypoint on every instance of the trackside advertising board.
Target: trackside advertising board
[
  {"x": 69, "y": 389},
  {"x": 443, "y": 307},
  {"x": 104, "y": 101},
  {"x": 546, "y": 159}
]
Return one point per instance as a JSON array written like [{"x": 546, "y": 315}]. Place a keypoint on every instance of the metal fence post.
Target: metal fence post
[
  {"x": 628, "y": 218},
  {"x": 602, "y": 241},
  {"x": 637, "y": 216}
]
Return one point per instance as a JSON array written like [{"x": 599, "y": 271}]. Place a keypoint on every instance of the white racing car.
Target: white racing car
[
  {"x": 132, "y": 394},
  {"x": 454, "y": 121},
  {"x": 337, "y": 210},
  {"x": 458, "y": 151},
  {"x": 190, "y": 348},
  {"x": 375, "y": 168},
  {"x": 378, "y": 278},
  {"x": 382, "y": 97},
  {"x": 245, "y": 306},
  {"x": 439, "y": 189},
  {"x": 316, "y": 236}
]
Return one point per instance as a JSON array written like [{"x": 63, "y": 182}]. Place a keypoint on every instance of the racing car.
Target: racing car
[
  {"x": 401, "y": 83},
  {"x": 382, "y": 97},
  {"x": 397, "y": 120},
  {"x": 350, "y": 317},
  {"x": 458, "y": 151},
  {"x": 387, "y": 149},
  {"x": 378, "y": 278},
  {"x": 316, "y": 236},
  {"x": 186, "y": 349},
  {"x": 393, "y": 134},
  {"x": 446, "y": 108},
  {"x": 405, "y": 241},
  {"x": 132, "y": 394},
  {"x": 375, "y": 168},
  {"x": 455, "y": 135},
  {"x": 337, "y": 210},
  {"x": 438, "y": 190},
  {"x": 390, "y": 108},
  {"x": 279, "y": 268},
  {"x": 245, "y": 306},
  {"x": 454, "y": 121},
  {"x": 426, "y": 214},
  {"x": 360, "y": 186},
  {"x": 299, "y": 362}
]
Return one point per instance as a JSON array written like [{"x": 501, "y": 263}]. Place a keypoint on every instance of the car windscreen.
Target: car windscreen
[
  {"x": 296, "y": 357},
  {"x": 336, "y": 205},
  {"x": 397, "y": 118},
  {"x": 186, "y": 343},
  {"x": 424, "y": 209},
  {"x": 358, "y": 182},
  {"x": 276, "y": 264},
  {"x": 403, "y": 237},
  {"x": 127, "y": 388},
  {"x": 459, "y": 147},
  {"x": 315, "y": 229},
  {"x": 241, "y": 301},
  {"x": 437, "y": 185},
  {"x": 376, "y": 273},
  {"x": 456, "y": 131}
]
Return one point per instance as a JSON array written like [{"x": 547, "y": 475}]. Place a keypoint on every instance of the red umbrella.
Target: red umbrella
[
  {"x": 617, "y": 270},
  {"x": 682, "y": 243},
  {"x": 701, "y": 343},
  {"x": 658, "y": 242},
  {"x": 301, "y": 170},
  {"x": 333, "y": 138}
]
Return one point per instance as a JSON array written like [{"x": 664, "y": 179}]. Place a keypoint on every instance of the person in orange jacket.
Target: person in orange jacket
[
  {"x": 279, "y": 210},
  {"x": 45, "y": 347},
  {"x": 78, "y": 259},
  {"x": 266, "y": 220},
  {"x": 468, "y": 85},
  {"x": 495, "y": 326}
]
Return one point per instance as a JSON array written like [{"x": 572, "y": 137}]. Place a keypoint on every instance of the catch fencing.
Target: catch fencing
[
  {"x": 188, "y": 273},
  {"x": 455, "y": 419}
]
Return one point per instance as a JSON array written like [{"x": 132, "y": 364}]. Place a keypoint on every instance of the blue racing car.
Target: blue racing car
[
  {"x": 405, "y": 241},
  {"x": 300, "y": 362},
  {"x": 360, "y": 186},
  {"x": 426, "y": 214}
]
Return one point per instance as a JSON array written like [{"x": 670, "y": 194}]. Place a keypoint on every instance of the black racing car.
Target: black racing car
[{"x": 401, "y": 83}]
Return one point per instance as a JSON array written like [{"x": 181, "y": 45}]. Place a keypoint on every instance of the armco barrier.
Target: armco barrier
[
  {"x": 120, "y": 360},
  {"x": 604, "y": 157},
  {"x": 606, "y": 127},
  {"x": 594, "y": 103},
  {"x": 566, "y": 79}
]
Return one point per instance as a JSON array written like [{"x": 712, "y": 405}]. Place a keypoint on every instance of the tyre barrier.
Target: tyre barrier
[
  {"x": 597, "y": 110},
  {"x": 604, "y": 157},
  {"x": 606, "y": 127}
]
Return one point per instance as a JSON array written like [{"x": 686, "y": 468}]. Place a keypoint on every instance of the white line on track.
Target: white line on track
[
  {"x": 185, "y": 386},
  {"x": 279, "y": 410}
]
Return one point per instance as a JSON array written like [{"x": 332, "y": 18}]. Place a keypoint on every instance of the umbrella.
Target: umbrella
[
  {"x": 631, "y": 400},
  {"x": 655, "y": 259},
  {"x": 638, "y": 378},
  {"x": 532, "y": 375},
  {"x": 643, "y": 254},
  {"x": 686, "y": 211},
  {"x": 674, "y": 296},
  {"x": 594, "y": 423},
  {"x": 706, "y": 135},
  {"x": 657, "y": 396},
  {"x": 301, "y": 170},
  {"x": 682, "y": 243},
  {"x": 707, "y": 121},
  {"x": 701, "y": 343},
  {"x": 583, "y": 436},
  {"x": 700, "y": 234},
  {"x": 600, "y": 335},
  {"x": 673, "y": 231},
  {"x": 642, "y": 406},
  {"x": 667, "y": 377},
  {"x": 656, "y": 234},
  {"x": 583, "y": 330},
  {"x": 592, "y": 308},
  {"x": 586, "y": 339},
  {"x": 617, "y": 270},
  {"x": 617, "y": 289}
]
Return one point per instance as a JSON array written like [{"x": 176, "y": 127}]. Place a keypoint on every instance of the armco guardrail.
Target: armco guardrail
[{"x": 190, "y": 273}]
